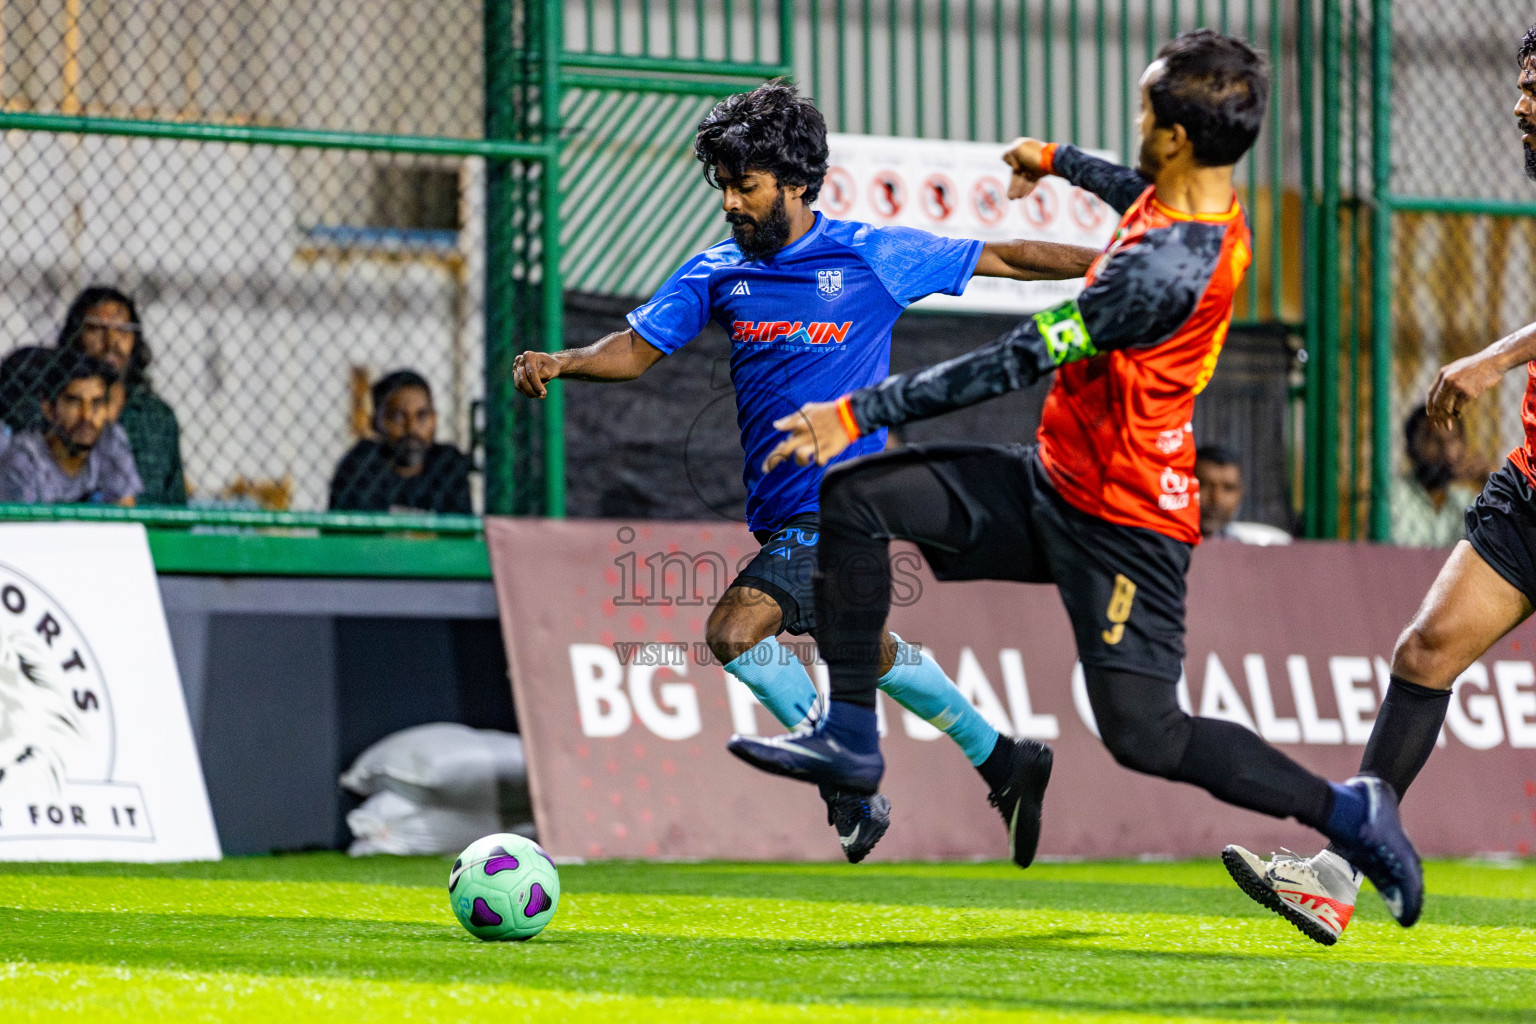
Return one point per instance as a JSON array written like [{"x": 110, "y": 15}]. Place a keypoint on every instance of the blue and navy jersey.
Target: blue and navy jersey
[{"x": 810, "y": 323}]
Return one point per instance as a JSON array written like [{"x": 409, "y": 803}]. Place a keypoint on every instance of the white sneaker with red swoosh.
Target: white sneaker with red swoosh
[{"x": 1317, "y": 894}]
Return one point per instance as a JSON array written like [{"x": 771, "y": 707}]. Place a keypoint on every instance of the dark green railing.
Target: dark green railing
[{"x": 562, "y": 80}]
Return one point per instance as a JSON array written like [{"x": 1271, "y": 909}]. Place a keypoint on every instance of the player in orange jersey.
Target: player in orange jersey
[
  {"x": 1485, "y": 589},
  {"x": 1105, "y": 506}
]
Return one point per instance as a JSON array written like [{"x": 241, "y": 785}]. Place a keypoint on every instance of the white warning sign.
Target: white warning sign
[{"x": 960, "y": 189}]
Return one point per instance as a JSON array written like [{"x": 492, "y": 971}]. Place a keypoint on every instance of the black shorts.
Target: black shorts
[
  {"x": 785, "y": 570},
  {"x": 1501, "y": 527},
  {"x": 1123, "y": 586}
]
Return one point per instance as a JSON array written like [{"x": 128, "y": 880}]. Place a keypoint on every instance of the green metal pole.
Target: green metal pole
[
  {"x": 786, "y": 34},
  {"x": 1101, "y": 112},
  {"x": 500, "y": 124},
  {"x": 1074, "y": 110},
  {"x": 1330, "y": 269},
  {"x": 1305, "y": 54},
  {"x": 266, "y": 135},
  {"x": 552, "y": 285},
  {"x": 1381, "y": 269},
  {"x": 1356, "y": 207},
  {"x": 1048, "y": 92},
  {"x": 1276, "y": 171}
]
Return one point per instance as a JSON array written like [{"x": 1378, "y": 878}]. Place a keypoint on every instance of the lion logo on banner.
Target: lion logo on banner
[{"x": 39, "y": 725}]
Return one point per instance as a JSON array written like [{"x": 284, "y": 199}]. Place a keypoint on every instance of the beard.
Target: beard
[
  {"x": 759, "y": 240},
  {"x": 1530, "y": 162},
  {"x": 408, "y": 453},
  {"x": 1434, "y": 476}
]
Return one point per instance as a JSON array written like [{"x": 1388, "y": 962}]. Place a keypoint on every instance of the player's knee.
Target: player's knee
[
  {"x": 851, "y": 495},
  {"x": 1144, "y": 745},
  {"x": 1424, "y": 654},
  {"x": 1140, "y": 721},
  {"x": 730, "y": 634},
  {"x": 840, "y": 493}
]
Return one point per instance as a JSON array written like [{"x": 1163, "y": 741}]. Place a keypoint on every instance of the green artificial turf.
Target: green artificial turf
[{"x": 321, "y": 937}]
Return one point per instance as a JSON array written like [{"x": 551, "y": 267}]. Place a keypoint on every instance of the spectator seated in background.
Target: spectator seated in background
[
  {"x": 1220, "y": 473},
  {"x": 104, "y": 323},
  {"x": 1429, "y": 504},
  {"x": 406, "y": 470},
  {"x": 79, "y": 455}
]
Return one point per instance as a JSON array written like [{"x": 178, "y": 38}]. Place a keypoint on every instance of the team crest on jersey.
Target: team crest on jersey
[{"x": 829, "y": 283}]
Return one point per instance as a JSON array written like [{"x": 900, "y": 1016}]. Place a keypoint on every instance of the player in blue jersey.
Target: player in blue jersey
[{"x": 809, "y": 303}]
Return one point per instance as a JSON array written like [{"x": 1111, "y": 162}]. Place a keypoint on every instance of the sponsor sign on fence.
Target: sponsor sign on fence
[
  {"x": 96, "y": 754},
  {"x": 960, "y": 190},
  {"x": 625, "y": 715}
]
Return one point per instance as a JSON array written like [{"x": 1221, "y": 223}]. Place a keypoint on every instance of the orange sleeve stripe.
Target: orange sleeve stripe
[
  {"x": 1048, "y": 158},
  {"x": 846, "y": 418}
]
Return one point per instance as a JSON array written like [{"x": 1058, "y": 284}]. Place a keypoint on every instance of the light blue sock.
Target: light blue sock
[
  {"x": 777, "y": 679},
  {"x": 920, "y": 686}
]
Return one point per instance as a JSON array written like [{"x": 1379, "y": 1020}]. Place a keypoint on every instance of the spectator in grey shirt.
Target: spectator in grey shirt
[{"x": 79, "y": 455}]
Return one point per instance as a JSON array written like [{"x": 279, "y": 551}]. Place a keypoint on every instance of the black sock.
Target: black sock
[
  {"x": 1404, "y": 734},
  {"x": 995, "y": 768},
  {"x": 1234, "y": 765}
]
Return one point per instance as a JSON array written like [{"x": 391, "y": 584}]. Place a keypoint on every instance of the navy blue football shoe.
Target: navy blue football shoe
[
  {"x": 833, "y": 751},
  {"x": 1380, "y": 849}
]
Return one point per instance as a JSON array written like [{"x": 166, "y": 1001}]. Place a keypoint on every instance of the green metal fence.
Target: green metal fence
[{"x": 302, "y": 196}]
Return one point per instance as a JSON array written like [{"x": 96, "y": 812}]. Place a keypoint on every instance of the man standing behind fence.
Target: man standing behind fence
[{"x": 809, "y": 303}]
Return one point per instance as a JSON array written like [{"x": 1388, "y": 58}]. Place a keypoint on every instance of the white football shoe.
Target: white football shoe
[{"x": 1317, "y": 894}]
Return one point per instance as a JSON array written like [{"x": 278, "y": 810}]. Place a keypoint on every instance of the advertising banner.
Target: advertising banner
[
  {"x": 625, "y": 716},
  {"x": 960, "y": 189},
  {"x": 96, "y": 754}
]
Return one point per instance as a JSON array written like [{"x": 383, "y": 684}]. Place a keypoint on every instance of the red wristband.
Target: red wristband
[
  {"x": 846, "y": 417},
  {"x": 1048, "y": 158}
]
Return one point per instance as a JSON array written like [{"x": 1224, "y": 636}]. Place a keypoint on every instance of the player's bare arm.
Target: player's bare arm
[
  {"x": 622, "y": 355},
  {"x": 1028, "y": 260},
  {"x": 1466, "y": 379}
]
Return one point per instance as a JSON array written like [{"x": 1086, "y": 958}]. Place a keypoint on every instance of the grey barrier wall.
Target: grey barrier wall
[{"x": 287, "y": 680}]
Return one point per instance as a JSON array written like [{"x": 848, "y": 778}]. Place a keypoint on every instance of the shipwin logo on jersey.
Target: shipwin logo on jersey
[
  {"x": 829, "y": 283},
  {"x": 57, "y": 738},
  {"x": 797, "y": 333},
  {"x": 741, "y": 289}
]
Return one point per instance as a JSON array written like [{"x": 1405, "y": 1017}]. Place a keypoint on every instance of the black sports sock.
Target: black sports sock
[
  {"x": 995, "y": 768},
  {"x": 1234, "y": 765},
  {"x": 1404, "y": 734}
]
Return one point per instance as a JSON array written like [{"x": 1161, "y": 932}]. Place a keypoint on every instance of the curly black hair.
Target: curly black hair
[
  {"x": 137, "y": 372},
  {"x": 772, "y": 128},
  {"x": 1217, "y": 87},
  {"x": 1527, "y": 46}
]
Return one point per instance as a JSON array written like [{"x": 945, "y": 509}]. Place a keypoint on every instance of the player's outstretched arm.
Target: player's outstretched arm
[
  {"x": 1032, "y": 159},
  {"x": 622, "y": 355},
  {"x": 1465, "y": 379},
  {"x": 1142, "y": 296},
  {"x": 1027, "y": 260}
]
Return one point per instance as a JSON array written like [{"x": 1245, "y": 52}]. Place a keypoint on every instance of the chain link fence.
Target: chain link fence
[
  {"x": 271, "y": 286},
  {"x": 1464, "y": 237}
]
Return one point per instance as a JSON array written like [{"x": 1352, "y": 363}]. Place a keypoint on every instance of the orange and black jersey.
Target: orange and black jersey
[{"x": 1132, "y": 351}]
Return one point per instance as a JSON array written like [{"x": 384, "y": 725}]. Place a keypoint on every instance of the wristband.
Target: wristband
[
  {"x": 1048, "y": 158},
  {"x": 847, "y": 419}
]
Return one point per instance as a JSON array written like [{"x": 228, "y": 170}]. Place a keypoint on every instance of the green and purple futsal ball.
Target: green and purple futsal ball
[{"x": 504, "y": 888}]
